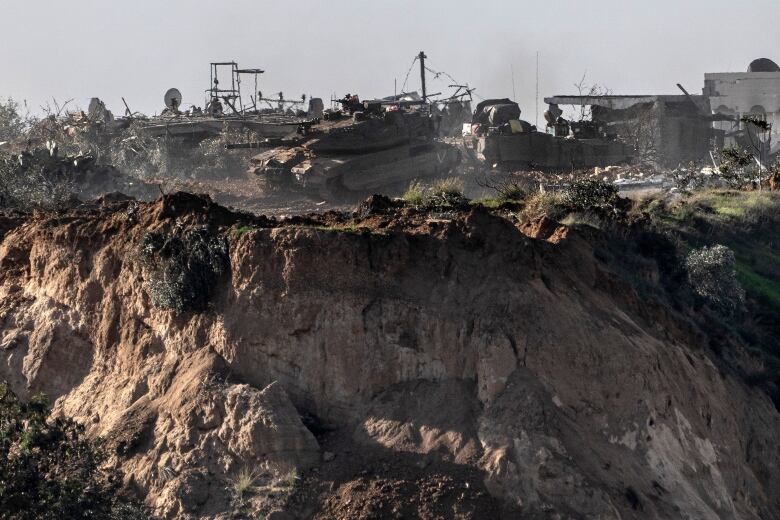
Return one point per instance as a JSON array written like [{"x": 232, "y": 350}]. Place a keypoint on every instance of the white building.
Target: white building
[{"x": 753, "y": 93}]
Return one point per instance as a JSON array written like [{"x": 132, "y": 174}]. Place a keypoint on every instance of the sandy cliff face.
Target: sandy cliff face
[{"x": 462, "y": 349}]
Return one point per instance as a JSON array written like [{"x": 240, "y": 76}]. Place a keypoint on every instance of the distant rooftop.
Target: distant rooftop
[
  {"x": 616, "y": 102},
  {"x": 761, "y": 67}
]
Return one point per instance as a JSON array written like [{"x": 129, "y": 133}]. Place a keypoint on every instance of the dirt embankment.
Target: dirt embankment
[{"x": 393, "y": 366}]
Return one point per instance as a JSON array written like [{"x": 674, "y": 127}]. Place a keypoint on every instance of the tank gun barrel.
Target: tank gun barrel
[{"x": 267, "y": 143}]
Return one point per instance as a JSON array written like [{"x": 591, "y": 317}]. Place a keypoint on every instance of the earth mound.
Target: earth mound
[{"x": 398, "y": 363}]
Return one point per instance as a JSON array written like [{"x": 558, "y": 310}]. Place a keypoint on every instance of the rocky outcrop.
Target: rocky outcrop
[{"x": 462, "y": 340}]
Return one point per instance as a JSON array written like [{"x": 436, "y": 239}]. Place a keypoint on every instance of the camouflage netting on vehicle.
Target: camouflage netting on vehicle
[{"x": 145, "y": 157}]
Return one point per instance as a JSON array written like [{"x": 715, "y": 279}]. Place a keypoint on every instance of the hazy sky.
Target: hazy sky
[{"x": 139, "y": 48}]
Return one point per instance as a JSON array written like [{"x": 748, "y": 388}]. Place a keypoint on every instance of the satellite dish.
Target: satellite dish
[{"x": 173, "y": 99}]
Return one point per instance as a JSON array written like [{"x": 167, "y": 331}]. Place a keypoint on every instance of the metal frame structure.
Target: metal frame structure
[
  {"x": 281, "y": 102},
  {"x": 231, "y": 96}
]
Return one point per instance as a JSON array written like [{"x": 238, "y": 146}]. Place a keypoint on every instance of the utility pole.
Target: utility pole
[
  {"x": 537, "y": 89},
  {"x": 422, "y": 57}
]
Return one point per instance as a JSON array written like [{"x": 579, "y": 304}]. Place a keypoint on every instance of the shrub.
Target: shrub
[
  {"x": 49, "y": 469},
  {"x": 12, "y": 123},
  {"x": 511, "y": 191},
  {"x": 689, "y": 177},
  {"x": 712, "y": 274},
  {"x": 544, "y": 204},
  {"x": 35, "y": 181},
  {"x": 242, "y": 484},
  {"x": 589, "y": 195},
  {"x": 440, "y": 193},
  {"x": 184, "y": 268},
  {"x": 449, "y": 187},
  {"x": 414, "y": 194},
  {"x": 736, "y": 167},
  {"x": 510, "y": 188}
]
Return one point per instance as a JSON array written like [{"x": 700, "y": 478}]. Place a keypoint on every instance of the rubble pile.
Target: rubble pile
[{"x": 42, "y": 179}]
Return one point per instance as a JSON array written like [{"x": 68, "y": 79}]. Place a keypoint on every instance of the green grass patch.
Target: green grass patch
[
  {"x": 439, "y": 193},
  {"x": 757, "y": 285},
  {"x": 748, "y": 207},
  {"x": 681, "y": 214},
  {"x": 242, "y": 230},
  {"x": 489, "y": 203},
  {"x": 546, "y": 204},
  {"x": 414, "y": 194},
  {"x": 339, "y": 228}
]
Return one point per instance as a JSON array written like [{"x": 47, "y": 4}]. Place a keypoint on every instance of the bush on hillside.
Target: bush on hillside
[
  {"x": 712, "y": 274},
  {"x": 590, "y": 195},
  {"x": 50, "y": 470},
  {"x": 34, "y": 181},
  {"x": 544, "y": 204},
  {"x": 12, "y": 122},
  {"x": 184, "y": 268},
  {"x": 441, "y": 193}
]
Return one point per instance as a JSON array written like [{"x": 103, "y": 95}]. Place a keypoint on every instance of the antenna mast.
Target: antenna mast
[
  {"x": 537, "y": 89},
  {"x": 422, "y": 57}
]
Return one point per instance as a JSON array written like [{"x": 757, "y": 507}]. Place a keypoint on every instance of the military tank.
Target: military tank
[
  {"x": 358, "y": 150},
  {"x": 499, "y": 138}
]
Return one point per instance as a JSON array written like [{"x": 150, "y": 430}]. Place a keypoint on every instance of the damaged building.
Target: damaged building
[
  {"x": 755, "y": 93},
  {"x": 669, "y": 130},
  {"x": 665, "y": 130}
]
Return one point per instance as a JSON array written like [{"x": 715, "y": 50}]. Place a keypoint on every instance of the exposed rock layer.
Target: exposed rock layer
[{"x": 460, "y": 340}]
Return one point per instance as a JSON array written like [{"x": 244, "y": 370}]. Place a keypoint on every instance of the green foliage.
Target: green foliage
[
  {"x": 738, "y": 210},
  {"x": 34, "y": 181},
  {"x": 544, "y": 204},
  {"x": 184, "y": 268},
  {"x": 450, "y": 187},
  {"x": 257, "y": 491},
  {"x": 50, "y": 470},
  {"x": 441, "y": 193},
  {"x": 511, "y": 191},
  {"x": 761, "y": 124},
  {"x": 712, "y": 274},
  {"x": 763, "y": 287},
  {"x": 488, "y": 203},
  {"x": 737, "y": 156},
  {"x": 689, "y": 177},
  {"x": 414, "y": 194},
  {"x": 736, "y": 167},
  {"x": 242, "y": 484},
  {"x": 12, "y": 123},
  {"x": 136, "y": 152},
  {"x": 747, "y": 223},
  {"x": 590, "y": 195},
  {"x": 242, "y": 230}
]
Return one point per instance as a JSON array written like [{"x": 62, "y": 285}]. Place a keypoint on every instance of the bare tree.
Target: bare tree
[
  {"x": 13, "y": 121},
  {"x": 641, "y": 133},
  {"x": 587, "y": 93},
  {"x": 758, "y": 138}
]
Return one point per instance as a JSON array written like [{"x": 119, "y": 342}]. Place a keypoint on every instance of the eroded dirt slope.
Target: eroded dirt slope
[{"x": 396, "y": 365}]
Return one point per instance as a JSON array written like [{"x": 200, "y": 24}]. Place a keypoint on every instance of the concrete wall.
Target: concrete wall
[
  {"x": 684, "y": 135},
  {"x": 743, "y": 93}
]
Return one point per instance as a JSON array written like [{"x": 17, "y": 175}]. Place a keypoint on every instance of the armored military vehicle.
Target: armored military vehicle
[
  {"x": 358, "y": 150},
  {"x": 499, "y": 138}
]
